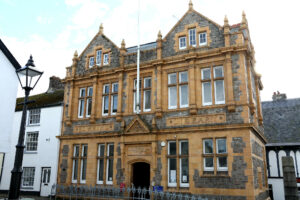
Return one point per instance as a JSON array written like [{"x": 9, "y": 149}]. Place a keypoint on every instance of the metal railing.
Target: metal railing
[{"x": 110, "y": 192}]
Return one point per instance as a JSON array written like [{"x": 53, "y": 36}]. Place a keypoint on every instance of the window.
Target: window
[
  {"x": 202, "y": 39},
  {"x": 178, "y": 86},
  {"x": 89, "y": 102},
  {"x": 173, "y": 156},
  {"x": 34, "y": 116},
  {"x": 109, "y": 164},
  {"x": 182, "y": 42},
  {"x": 145, "y": 94},
  {"x": 28, "y": 176},
  {"x": 31, "y": 141},
  {"x": 110, "y": 99},
  {"x": 85, "y": 95},
  {"x": 98, "y": 57},
  {"x": 217, "y": 81},
  {"x": 192, "y": 36},
  {"x": 106, "y": 59},
  {"x": 83, "y": 168},
  {"x": 210, "y": 158},
  {"x": 75, "y": 163},
  {"x": 100, "y": 167},
  {"x": 91, "y": 63}
]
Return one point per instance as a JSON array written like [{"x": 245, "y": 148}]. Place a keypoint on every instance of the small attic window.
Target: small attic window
[
  {"x": 91, "y": 62},
  {"x": 98, "y": 57},
  {"x": 202, "y": 39},
  {"x": 192, "y": 37},
  {"x": 106, "y": 59},
  {"x": 182, "y": 42}
]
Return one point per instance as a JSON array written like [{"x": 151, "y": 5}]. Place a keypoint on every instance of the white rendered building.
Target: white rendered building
[
  {"x": 9, "y": 86},
  {"x": 40, "y": 158}
]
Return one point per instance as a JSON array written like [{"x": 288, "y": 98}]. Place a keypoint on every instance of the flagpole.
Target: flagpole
[{"x": 138, "y": 64}]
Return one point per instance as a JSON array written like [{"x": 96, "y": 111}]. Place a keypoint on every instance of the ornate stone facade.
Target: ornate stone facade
[{"x": 109, "y": 116}]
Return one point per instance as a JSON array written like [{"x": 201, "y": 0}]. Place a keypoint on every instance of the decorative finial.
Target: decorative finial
[
  {"x": 101, "y": 28},
  {"x": 244, "y": 20},
  {"x": 190, "y": 5},
  {"x": 123, "y": 44},
  {"x": 30, "y": 62},
  {"x": 159, "y": 36},
  {"x": 75, "y": 54},
  {"x": 225, "y": 21}
]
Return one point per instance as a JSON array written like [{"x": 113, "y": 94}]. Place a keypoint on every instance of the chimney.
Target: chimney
[
  {"x": 277, "y": 96},
  {"x": 54, "y": 84}
]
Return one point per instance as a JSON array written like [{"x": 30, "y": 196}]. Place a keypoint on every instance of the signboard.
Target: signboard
[{"x": 158, "y": 188}]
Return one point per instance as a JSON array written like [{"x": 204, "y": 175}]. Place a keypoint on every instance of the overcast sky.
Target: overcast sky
[{"x": 52, "y": 30}]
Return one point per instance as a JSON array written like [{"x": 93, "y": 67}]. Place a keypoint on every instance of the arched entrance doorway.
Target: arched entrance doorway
[{"x": 141, "y": 174}]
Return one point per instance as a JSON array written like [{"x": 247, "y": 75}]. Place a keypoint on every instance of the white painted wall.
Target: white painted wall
[
  {"x": 278, "y": 188},
  {"x": 47, "y": 151},
  {"x": 8, "y": 87}
]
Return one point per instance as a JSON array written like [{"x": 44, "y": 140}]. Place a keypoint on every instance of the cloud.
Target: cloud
[{"x": 44, "y": 20}]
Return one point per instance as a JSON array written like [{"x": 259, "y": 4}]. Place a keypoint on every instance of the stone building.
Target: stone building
[
  {"x": 281, "y": 125},
  {"x": 199, "y": 129}
]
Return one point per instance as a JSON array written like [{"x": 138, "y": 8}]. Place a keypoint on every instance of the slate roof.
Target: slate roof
[
  {"x": 282, "y": 120},
  {"x": 43, "y": 100},
  {"x": 9, "y": 56}
]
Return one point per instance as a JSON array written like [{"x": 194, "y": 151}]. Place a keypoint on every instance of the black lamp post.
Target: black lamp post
[{"x": 28, "y": 77}]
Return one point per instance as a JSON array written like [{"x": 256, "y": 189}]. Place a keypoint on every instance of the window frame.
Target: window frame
[
  {"x": 143, "y": 90},
  {"x": 170, "y": 184},
  {"x": 113, "y": 93},
  {"x": 74, "y": 159},
  {"x": 208, "y": 155},
  {"x": 99, "y": 157},
  {"x": 204, "y": 43},
  {"x": 180, "y": 164},
  {"x": 108, "y": 157},
  {"x": 22, "y": 179},
  {"x": 109, "y": 96},
  {"x": 99, "y": 57},
  {"x": 34, "y": 142},
  {"x": 91, "y": 61},
  {"x": 89, "y": 98},
  {"x": 105, "y": 58},
  {"x": 213, "y": 88},
  {"x": 219, "y": 155},
  {"x": 190, "y": 35},
  {"x": 82, "y": 158},
  {"x": 81, "y": 100},
  {"x": 179, "y": 41},
  {"x": 178, "y": 84},
  {"x": 32, "y": 115}
]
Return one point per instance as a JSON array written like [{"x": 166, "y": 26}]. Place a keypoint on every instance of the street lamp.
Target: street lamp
[{"x": 28, "y": 77}]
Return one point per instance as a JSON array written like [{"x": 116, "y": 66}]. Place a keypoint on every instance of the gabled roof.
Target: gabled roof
[
  {"x": 9, "y": 56},
  {"x": 282, "y": 120},
  {"x": 190, "y": 11}
]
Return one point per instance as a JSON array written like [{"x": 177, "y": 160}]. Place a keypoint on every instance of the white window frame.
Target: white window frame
[
  {"x": 31, "y": 113},
  {"x": 144, "y": 90},
  {"x": 111, "y": 98},
  {"x": 134, "y": 95},
  {"x": 204, "y": 43},
  {"x": 103, "y": 92},
  {"x": 180, "y": 170},
  {"x": 37, "y": 142},
  {"x": 169, "y": 183},
  {"x": 108, "y": 182},
  {"x": 219, "y": 102},
  {"x": 180, "y": 97},
  {"x": 81, "y": 101},
  {"x": 91, "y": 61},
  {"x": 194, "y": 30},
  {"x": 81, "y": 162},
  {"x": 77, "y": 158},
  {"x": 208, "y": 168},
  {"x": 179, "y": 40},
  {"x": 202, "y": 85},
  {"x": 221, "y": 168},
  {"x": 98, "y": 57},
  {"x": 98, "y": 163},
  {"x": 105, "y": 59},
  {"x": 28, "y": 186},
  {"x": 169, "y": 92},
  {"x": 89, "y": 98}
]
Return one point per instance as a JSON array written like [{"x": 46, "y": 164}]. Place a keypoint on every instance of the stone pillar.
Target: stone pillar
[
  {"x": 159, "y": 92},
  {"x": 192, "y": 90},
  {"x": 94, "y": 101},
  {"x": 289, "y": 179},
  {"x": 119, "y": 111},
  {"x": 248, "y": 66},
  {"x": 229, "y": 83},
  {"x": 259, "y": 113}
]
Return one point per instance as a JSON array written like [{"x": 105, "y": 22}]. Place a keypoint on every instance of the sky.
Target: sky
[{"x": 51, "y": 30}]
